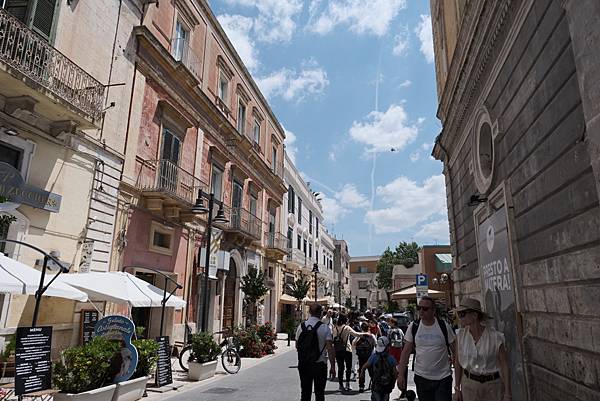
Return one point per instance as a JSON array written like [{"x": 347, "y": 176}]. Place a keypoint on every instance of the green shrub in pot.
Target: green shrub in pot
[
  {"x": 204, "y": 348},
  {"x": 147, "y": 357},
  {"x": 85, "y": 367}
]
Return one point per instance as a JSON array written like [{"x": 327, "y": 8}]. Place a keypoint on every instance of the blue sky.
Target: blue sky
[{"x": 350, "y": 80}]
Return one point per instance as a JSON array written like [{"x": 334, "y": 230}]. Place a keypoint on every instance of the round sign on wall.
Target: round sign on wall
[{"x": 121, "y": 329}]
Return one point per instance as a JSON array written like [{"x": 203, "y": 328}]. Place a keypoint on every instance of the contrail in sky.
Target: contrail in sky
[{"x": 377, "y": 79}]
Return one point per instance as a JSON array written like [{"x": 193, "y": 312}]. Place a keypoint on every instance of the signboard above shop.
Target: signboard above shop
[{"x": 15, "y": 190}]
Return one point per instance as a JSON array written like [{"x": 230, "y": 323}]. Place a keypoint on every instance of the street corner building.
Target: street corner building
[{"x": 519, "y": 100}]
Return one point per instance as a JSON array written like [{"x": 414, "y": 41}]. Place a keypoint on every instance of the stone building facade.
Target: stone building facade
[
  {"x": 519, "y": 100},
  {"x": 341, "y": 267},
  {"x": 363, "y": 283}
]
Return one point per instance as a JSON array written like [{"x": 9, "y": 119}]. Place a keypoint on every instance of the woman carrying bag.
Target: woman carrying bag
[
  {"x": 343, "y": 350},
  {"x": 482, "y": 371}
]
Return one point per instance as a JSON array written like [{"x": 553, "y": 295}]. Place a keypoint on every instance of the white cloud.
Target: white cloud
[
  {"x": 332, "y": 156},
  {"x": 425, "y": 34},
  {"x": 428, "y": 146},
  {"x": 290, "y": 145},
  {"x": 385, "y": 130},
  {"x": 405, "y": 84},
  {"x": 275, "y": 20},
  {"x": 372, "y": 17},
  {"x": 435, "y": 231},
  {"x": 333, "y": 211},
  {"x": 342, "y": 202},
  {"x": 408, "y": 204},
  {"x": 401, "y": 43},
  {"x": 350, "y": 197},
  {"x": 415, "y": 156},
  {"x": 292, "y": 85},
  {"x": 237, "y": 28}
]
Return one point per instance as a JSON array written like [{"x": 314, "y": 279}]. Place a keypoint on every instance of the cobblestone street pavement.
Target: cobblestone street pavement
[{"x": 273, "y": 380}]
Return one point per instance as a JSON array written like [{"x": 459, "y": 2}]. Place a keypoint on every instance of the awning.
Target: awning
[
  {"x": 288, "y": 299},
  {"x": 443, "y": 262},
  {"x": 121, "y": 288},
  {"x": 411, "y": 293},
  {"x": 18, "y": 278}
]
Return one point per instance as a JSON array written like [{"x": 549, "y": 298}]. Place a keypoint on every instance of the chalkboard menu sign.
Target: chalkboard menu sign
[
  {"x": 89, "y": 317},
  {"x": 32, "y": 359},
  {"x": 164, "y": 375}
]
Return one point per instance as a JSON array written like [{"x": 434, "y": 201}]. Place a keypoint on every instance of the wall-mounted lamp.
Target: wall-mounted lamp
[
  {"x": 9, "y": 131},
  {"x": 477, "y": 199}
]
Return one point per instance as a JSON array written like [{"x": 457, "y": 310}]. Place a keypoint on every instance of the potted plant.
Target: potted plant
[
  {"x": 84, "y": 372},
  {"x": 7, "y": 358},
  {"x": 134, "y": 388},
  {"x": 205, "y": 351}
]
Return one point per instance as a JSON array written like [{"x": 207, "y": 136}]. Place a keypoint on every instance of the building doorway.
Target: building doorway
[{"x": 229, "y": 301}]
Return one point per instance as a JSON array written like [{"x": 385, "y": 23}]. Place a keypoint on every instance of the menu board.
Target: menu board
[
  {"x": 33, "y": 368},
  {"x": 89, "y": 317},
  {"x": 164, "y": 375}
]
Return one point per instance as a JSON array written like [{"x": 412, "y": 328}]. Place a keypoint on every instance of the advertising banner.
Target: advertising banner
[{"x": 121, "y": 329}]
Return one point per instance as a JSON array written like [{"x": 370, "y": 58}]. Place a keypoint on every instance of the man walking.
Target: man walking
[
  {"x": 314, "y": 343},
  {"x": 432, "y": 339}
]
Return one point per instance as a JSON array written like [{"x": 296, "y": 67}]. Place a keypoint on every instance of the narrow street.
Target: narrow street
[{"x": 273, "y": 380}]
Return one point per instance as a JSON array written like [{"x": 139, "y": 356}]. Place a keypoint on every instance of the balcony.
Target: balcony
[
  {"x": 298, "y": 258},
  {"x": 276, "y": 245},
  {"x": 167, "y": 188},
  {"x": 243, "y": 227},
  {"x": 31, "y": 68},
  {"x": 183, "y": 53}
]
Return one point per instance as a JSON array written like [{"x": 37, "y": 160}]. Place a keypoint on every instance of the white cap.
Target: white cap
[{"x": 382, "y": 344}]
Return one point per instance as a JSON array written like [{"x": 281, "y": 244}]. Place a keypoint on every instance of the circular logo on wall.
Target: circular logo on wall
[{"x": 490, "y": 238}]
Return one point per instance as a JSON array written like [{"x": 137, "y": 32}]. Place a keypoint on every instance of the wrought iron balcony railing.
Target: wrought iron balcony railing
[
  {"x": 166, "y": 177},
  {"x": 276, "y": 241},
  {"x": 242, "y": 221},
  {"x": 30, "y": 54},
  {"x": 182, "y": 52}
]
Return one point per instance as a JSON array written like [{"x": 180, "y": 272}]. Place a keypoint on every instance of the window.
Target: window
[
  {"x": 274, "y": 160},
  {"x": 223, "y": 87},
  {"x": 256, "y": 132},
  {"x": 310, "y": 222},
  {"x": 38, "y": 15},
  {"x": 171, "y": 145},
  {"x": 216, "y": 181},
  {"x": 290, "y": 237},
  {"x": 317, "y": 255},
  {"x": 362, "y": 285},
  {"x": 305, "y": 243},
  {"x": 241, "y": 120},
  {"x": 363, "y": 269},
  {"x": 299, "y": 210},
  {"x": 253, "y": 204},
  {"x": 160, "y": 238},
  {"x": 310, "y": 250},
  {"x": 317, "y": 231},
  {"x": 291, "y": 200},
  {"x": 180, "y": 41},
  {"x": 299, "y": 242}
]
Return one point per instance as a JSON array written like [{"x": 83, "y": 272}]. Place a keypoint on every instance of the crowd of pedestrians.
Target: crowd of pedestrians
[{"x": 355, "y": 343}]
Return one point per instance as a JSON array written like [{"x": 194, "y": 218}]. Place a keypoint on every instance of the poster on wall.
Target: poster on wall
[
  {"x": 496, "y": 272},
  {"x": 121, "y": 329}
]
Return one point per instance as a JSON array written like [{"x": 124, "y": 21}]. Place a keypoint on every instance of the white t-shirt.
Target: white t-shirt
[
  {"x": 432, "y": 361},
  {"x": 480, "y": 358},
  {"x": 324, "y": 334}
]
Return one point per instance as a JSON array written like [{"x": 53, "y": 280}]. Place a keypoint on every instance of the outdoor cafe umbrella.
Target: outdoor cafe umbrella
[
  {"x": 122, "y": 288},
  {"x": 411, "y": 293},
  {"x": 18, "y": 278}
]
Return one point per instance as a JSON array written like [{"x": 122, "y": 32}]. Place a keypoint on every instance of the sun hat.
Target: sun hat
[
  {"x": 471, "y": 304},
  {"x": 382, "y": 344}
]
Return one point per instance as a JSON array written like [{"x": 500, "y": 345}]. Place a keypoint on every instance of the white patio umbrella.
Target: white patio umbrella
[
  {"x": 411, "y": 293},
  {"x": 122, "y": 288},
  {"x": 18, "y": 278}
]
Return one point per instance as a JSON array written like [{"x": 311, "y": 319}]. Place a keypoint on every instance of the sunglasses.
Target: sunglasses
[
  {"x": 423, "y": 308},
  {"x": 463, "y": 313}
]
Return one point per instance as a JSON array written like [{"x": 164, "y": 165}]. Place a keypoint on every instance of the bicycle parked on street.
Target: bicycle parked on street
[{"x": 230, "y": 357}]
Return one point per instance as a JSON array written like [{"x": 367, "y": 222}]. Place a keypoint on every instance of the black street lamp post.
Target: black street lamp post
[
  {"x": 316, "y": 271},
  {"x": 199, "y": 208}
]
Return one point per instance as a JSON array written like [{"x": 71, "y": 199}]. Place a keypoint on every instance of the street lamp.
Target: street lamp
[
  {"x": 316, "y": 271},
  {"x": 199, "y": 208}
]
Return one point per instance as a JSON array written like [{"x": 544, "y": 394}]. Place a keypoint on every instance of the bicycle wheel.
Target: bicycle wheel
[
  {"x": 231, "y": 360},
  {"x": 184, "y": 357}
]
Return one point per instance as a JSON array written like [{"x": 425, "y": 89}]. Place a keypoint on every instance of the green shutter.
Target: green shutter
[
  {"x": 18, "y": 8},
  {"x": 43, "y": 16}
]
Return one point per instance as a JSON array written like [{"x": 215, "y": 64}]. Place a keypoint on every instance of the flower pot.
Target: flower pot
[
  {"x": 99, "y": 394},
  {"x": 202, "y": 371},
  {"x": 131, "y": 390}
]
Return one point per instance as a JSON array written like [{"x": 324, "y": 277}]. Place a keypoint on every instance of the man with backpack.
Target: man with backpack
[
  {"x": 383, "y": 368},
  {"x": 364, "y": 347},
  {"x": 314, "y": 343},
  {"x": 434, "y": 342}
]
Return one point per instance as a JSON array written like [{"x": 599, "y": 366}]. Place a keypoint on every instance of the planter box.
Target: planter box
[
  {"x": 99, "y": 394},
  {"x": 131, "y": 390},
  {"x": 202, "y": 371}
]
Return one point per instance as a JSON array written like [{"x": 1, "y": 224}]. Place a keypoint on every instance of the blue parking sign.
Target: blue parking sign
[{"x": 422, "y": 280}]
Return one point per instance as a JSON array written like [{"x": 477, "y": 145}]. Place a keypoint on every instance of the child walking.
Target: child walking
[{"x": 383, "y": 366}]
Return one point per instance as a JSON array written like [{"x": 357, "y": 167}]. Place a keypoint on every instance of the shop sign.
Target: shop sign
[
  {"x": 89, "y": 318},
  {"x": 121, "y": 329},
  {"x": 164, "y": 374},
  {"x": 85, "y": 263},
  {"x": 219, "y": 260},
  {"x": 422, "y": 287},
  {"x": 15, "y": 190},
  {"x": 33, "y": 366}
]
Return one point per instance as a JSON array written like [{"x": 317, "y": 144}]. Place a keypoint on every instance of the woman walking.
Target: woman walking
[
  {"x": 343, "y": 349},
  {"x": 482, "y": 371}
]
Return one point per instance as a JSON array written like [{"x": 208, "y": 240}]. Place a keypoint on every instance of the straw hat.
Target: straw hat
[{"x": 470, "y": 304}]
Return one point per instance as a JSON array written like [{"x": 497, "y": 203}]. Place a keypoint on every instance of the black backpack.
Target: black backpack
[
  {"x": 338, "y": 343},
  {"x": 364, "y": 348},
  {"x": 308, "y": 344},
  {"x": 384, "y": 377},
  {"x": 442, "y": 324}
]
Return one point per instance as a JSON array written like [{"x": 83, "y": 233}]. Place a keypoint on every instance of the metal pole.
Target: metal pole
[
  {"x": 315, "y": 286},
  {"x": 206, "y": 298},
  {"x": 39, "y": 292},
  {"x": 162, "y": 312}
]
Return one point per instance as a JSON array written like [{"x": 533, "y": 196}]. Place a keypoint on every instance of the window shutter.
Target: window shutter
[
  {"x": 43, "y": 16},
  {"x": 18, "y": 8}
]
